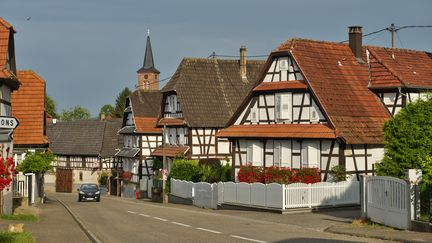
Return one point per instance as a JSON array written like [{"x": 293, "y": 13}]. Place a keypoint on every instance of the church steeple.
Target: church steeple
[{"x": 148, "y": 75}]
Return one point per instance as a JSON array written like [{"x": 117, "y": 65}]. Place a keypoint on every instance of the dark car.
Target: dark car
[{"x": 88, "y": 192}]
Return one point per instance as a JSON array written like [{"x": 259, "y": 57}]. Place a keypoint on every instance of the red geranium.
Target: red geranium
[
  {"x": 127, "y": 175},
  {"x": 7, "y": 172},
  {"x": 250, "y": 174}
]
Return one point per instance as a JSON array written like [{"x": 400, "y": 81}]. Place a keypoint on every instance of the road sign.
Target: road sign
[
  {"x": 8, "y": 122},
  {"x": 6, "y": 135}
]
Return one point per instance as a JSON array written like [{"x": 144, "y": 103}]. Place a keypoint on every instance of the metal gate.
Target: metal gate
[
  {"x": 387, "y": 201},
  {"x": 63, "y": 180}
]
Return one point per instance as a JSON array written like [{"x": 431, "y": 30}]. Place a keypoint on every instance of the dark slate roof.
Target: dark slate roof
[
  {"x": 127, "y": 152},
  {"x": 111, "y": 140},
  {"x": 146, "y": 103},
  {"x": 211, "y": 90},
  {"x": 148, "y": 65},
  {"x": 84, "y": 137}
]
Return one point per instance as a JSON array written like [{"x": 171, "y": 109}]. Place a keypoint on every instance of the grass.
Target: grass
[
  {"x": 7, "y": 237},
  {"x": 365, "y": 222},
  {"x": 20, "y": 217}
]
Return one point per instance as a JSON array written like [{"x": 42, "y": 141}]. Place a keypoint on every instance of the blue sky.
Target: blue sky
[{"x": 88, "y": 50}]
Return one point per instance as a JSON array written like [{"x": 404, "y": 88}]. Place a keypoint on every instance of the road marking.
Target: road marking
[
  {"x": 185, "y": 225},
  {"x": 132, "y": 212},
  {"x": 208, "y": 230},
  {"x": 249, "y": 239},
  {"x": 145, "y": 215},
  {"x": 161, "y": 219}
]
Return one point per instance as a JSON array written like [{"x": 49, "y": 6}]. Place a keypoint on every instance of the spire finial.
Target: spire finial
[{"x": 148, "y": 32}]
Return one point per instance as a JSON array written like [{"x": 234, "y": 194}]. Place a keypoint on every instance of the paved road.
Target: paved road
[{"x": 119, "y": 220}]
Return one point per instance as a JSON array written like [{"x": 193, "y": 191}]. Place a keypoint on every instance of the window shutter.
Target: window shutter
[
  {"x": 181, "y": 136},
  {"x": 254, "y": 114},
  {"x": 257, "y": 154},
  {"x": 249, "y": 152},
  {"x": 277, "y": 154},
  {"x": 174, "y": 104},
  {"x": 304, "y": 155},
  {"x": 278, "y": 106}
]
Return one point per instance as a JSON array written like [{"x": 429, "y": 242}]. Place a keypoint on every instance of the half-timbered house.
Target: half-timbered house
[
  {"x": 140, "y": 137},
  {"x": 8, "y": 83},
  {"x": 82, "y": 150},
  {"x": 321, "y": 104},
  {"x": 29, "y": 109},
  {"x": 199, "y": 100}
]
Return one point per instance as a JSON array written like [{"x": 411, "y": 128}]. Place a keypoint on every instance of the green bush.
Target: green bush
[
  {"x": 36, "y": 162},
  {"x": 8, "y": 237},
  {"x": 225, "y": 173},
  {"x": 185, "y": 169},
  {"x": 213, "y": 162},
  {"x": 103, "y": 178},
  {"x": 210, "y": 174},
  {"x": 339, "y": 173},
  {"x": 408, "y": 141}
]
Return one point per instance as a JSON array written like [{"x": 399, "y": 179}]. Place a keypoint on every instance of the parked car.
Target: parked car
[{"x": 88, "y": 192}]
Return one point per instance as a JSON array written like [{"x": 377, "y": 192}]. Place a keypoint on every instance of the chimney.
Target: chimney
[
  {"x": 243, "y": 62},
  {"x": 355, "y": 41}
]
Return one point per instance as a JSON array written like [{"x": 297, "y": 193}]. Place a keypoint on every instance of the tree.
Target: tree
[
  {"x": 75, "y": 113},
  {"x": 51, "y": 106},
  {"x": 408, "y": 141},
  {"x": 121, "y": 102},
  {"x": 107, "y": 110},
  {"x": 36, "y": 162}
]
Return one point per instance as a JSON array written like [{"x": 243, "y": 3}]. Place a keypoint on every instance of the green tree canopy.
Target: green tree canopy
[
  {"x": 51, "y": 106},
  {"x": 36, "y": 162},
  {"x": 121, "y": 102},
  {"x": 408, "y": 140},
  {"x": 75, "y": 113},
  {"x": 107, "y": 110}
]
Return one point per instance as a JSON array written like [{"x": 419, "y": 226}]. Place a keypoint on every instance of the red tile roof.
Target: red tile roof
[
  {"x": 340, "y": 84},
  {"x": 400, "y": 68},
  {"x": 265, "y": 86},
  {"x": 28, "y": 106},
  {"x": 172, "y": 122},
  {"x": 279, "y": 131},
  {"x": 6, "y": 75},
  {"x": 170, "y": 151},
  {"x": 147, "y": 125}
]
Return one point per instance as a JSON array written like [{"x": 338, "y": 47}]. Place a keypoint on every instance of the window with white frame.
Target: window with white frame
[
  {"x": 254, "y": 153},
  {"x": 310, "y": 154},
  {"x": 283, "y": 106}
]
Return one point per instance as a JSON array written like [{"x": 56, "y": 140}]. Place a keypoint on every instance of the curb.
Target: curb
[
  {"x": 330, "y": 230},
  {"x": 92, "y": 237}
]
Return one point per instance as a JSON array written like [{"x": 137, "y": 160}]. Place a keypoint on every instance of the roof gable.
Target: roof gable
[
  {"x": 211, "y": 90},
  {"x": 146, "y": 103},
  {"x": 402, "y": 68},
  {"x": 84, "y": 137},
  {"x": 29, "y": 108},
  {"x": 7, "y": 51},
  {"x": 340, "y": 85}
]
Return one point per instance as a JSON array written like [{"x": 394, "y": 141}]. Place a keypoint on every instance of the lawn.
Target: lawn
[
  {"x": 20, "y": 217},
  {"x": 7, "y": 237}
]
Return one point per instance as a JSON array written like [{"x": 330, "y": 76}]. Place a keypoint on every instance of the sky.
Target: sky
[{"x": 89, "y": 50}]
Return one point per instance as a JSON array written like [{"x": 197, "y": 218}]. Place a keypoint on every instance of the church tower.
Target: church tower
[{"x": 148, "y": 75}]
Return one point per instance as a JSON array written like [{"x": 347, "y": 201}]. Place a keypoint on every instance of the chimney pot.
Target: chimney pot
[
  {"x": 243, "y": 62},
  {"x": 355, "y": 41}
]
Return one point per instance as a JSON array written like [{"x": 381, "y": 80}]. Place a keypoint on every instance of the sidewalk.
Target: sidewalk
[
  {"x": 55, "y": 224},
  {"x": 381, "y": 232}
]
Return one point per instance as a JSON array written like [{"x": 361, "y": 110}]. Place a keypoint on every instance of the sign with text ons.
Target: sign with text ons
[{"x": 8, "y": 122}]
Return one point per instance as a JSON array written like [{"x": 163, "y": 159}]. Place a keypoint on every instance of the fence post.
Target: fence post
[
  {"x": 309, "y": 188},
  {"x": 283, "y": 196},
  {"x": 363, "y": 194}
]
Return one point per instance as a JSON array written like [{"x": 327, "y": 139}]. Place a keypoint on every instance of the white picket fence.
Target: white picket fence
[{"x": 272, "y": 196}]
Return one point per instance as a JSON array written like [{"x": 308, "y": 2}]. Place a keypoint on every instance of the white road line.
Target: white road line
[
  {"x": 208, "y": 230},
  {"x": 177, "y": 223},
  {"x": 144, "y": 215},
  {"x": 161, "y": 219},
  {"x": 132, "y": 212},
  {"x": 249, "y": 239}
]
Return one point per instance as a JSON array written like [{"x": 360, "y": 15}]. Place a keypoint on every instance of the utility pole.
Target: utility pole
[
  {"x": 392, "y": 29},
  {"x": 164, "y": 167}
]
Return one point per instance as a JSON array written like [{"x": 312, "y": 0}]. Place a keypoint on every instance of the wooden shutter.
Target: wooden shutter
[
  {"x": 257, "y": 154},
  {"x": 284, "y": 106},
  {"x": 181, "y": 136},
  {"x": 249, "y": 152},
  {"x": 277, "y": 106},
  {"x": 254, "y": 114},
  {"x": 277, "y": 154}
]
